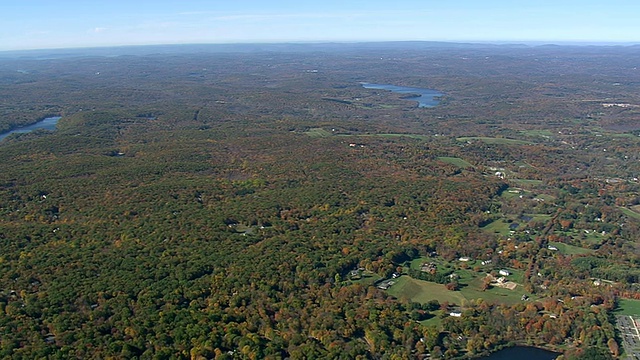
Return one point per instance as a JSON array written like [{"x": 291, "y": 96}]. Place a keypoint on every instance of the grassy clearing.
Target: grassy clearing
[
  {"x": 367, "y": 279},
  {"x": 441, "y": 266},
  {"x": 628, "y": 307},
  {"x": 495, "y": 294},
  {"x": 317, "y": 133},
  {"x": 500, "y": 227},
  {"x": 434, "y": 321},
  {"x": 410, "y": 136},
  {"x": 423, "y": 291},
  {"x": 498, "y": 141},
  {"x": 630, "y": 213},
  {"x": 541, "y": 133},
  {"x": 455, "y": 161},
  {"x": 592, "y": 237},
  {"x": 570, "y": 249},
  {"x": 470, "y": 286},
  {"x": 526, "y": 181},
  {"x": 512, "y": 192}
]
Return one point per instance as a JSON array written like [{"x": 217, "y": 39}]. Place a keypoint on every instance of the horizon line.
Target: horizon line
[{"x": 532, "y": 43}]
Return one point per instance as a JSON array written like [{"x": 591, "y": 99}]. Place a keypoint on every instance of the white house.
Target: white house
[{"x": 504, "y": 272}]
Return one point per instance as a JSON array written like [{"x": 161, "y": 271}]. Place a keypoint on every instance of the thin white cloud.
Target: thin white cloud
[
  {"x": 198, "y": 13},
  {"x": 267, "y": 17},
  {"x": 99, "y": 29}
]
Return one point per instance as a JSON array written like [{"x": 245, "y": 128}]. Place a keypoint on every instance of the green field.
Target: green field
[
  {"x": 541, "y": 133},
  {"x": 491, "y": 140},
  {"x": 434, "y": 321},
  {"x": 442, "y": 266},
  {"x": 368, "y": 278},
  {"x": 526, "y": 181},
  {"x": 500, "y": 227},
  {"x": 455, "y": 161},
  {"x": 570, "y": 249},
  {"x": 423, "y": 291},
  {"x": 496, "y": 294},
  {"x": 317, "y": 133},
  {"x": 398, "y": 135},
  {"x": 630, "y": 213},
  {"x": 628, "y": 307},
  {"x": 410, "y": 136}
]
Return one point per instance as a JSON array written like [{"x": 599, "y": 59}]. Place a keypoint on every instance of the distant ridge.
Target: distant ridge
[{"x": 142, "y": 50}]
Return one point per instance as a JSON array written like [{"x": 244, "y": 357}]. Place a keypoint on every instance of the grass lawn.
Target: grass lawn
[
  {"x": 499, "y": 226},
  {"x": 411, "y": 136},
  {"x": 495, "y": 294},
  {"x": 441, "y": 266},
  {"x": 455, "y": 161},
  {"x": 628, "y": 307},
  {"x": 367, "y": 279},
  {"x": 434, "y": 321},
  {"x": 542, "y": 133},
  {"x": 592, "y": 237},
  {"x": 540, "y": 217},
  {"x": 570, "y": 249},
  {"x": 526, "y": 181},
  {"x": 423, "y": 291},
  {"x": 490, "y": 140},
  {"x": 317, "y": 133},
  {"x": 630, "y": 213}
]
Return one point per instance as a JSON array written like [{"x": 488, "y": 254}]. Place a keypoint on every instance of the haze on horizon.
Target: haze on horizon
[{"x": 43, "y": 24}]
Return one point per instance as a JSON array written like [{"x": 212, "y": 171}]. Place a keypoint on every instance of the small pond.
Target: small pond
[{"x": 522, "y": 353}]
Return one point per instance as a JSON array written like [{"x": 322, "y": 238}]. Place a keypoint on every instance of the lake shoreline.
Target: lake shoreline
[
  {"x": 46, "y": 123},
  {"x": 426, "y": 98}
]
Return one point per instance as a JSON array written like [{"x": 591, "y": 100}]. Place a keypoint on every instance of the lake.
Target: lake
[
  {"x": 424, "y": 97},
  {"x": 522, "y": 353},
  {"x": 46, "y": 124}
]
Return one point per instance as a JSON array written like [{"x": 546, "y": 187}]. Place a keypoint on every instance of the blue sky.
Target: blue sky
[{"x": 38, "y": 24}]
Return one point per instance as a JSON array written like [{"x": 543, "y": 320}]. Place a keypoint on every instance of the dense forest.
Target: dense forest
[{"x": 259, "y": 203}]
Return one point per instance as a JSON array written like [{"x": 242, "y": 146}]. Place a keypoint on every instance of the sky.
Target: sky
[{"x": 46, "y": 24}]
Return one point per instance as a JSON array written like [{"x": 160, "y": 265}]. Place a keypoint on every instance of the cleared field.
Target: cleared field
[
  {"x": 433, "y": 321},
  {"x": 367, "y": 279},
  {"x": 461, "y": 163},
  {"x": 500, "y": 227},
  {"x": 570, "y": 249},
  {"x": 317, "y": 133},
  {"x": 628, "y": 307},
  {"x": 542, "y": 133},
  {"x": 499, "y": 141},
  {"x": 423, "y": 291},
  {"x": 526, "y": 181},
  {"x": 630, "y": 213},
  {"x": 411, "y": 136},
  {"x": 398, "y": 135},
  {"x": 495, "y": 294}
]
